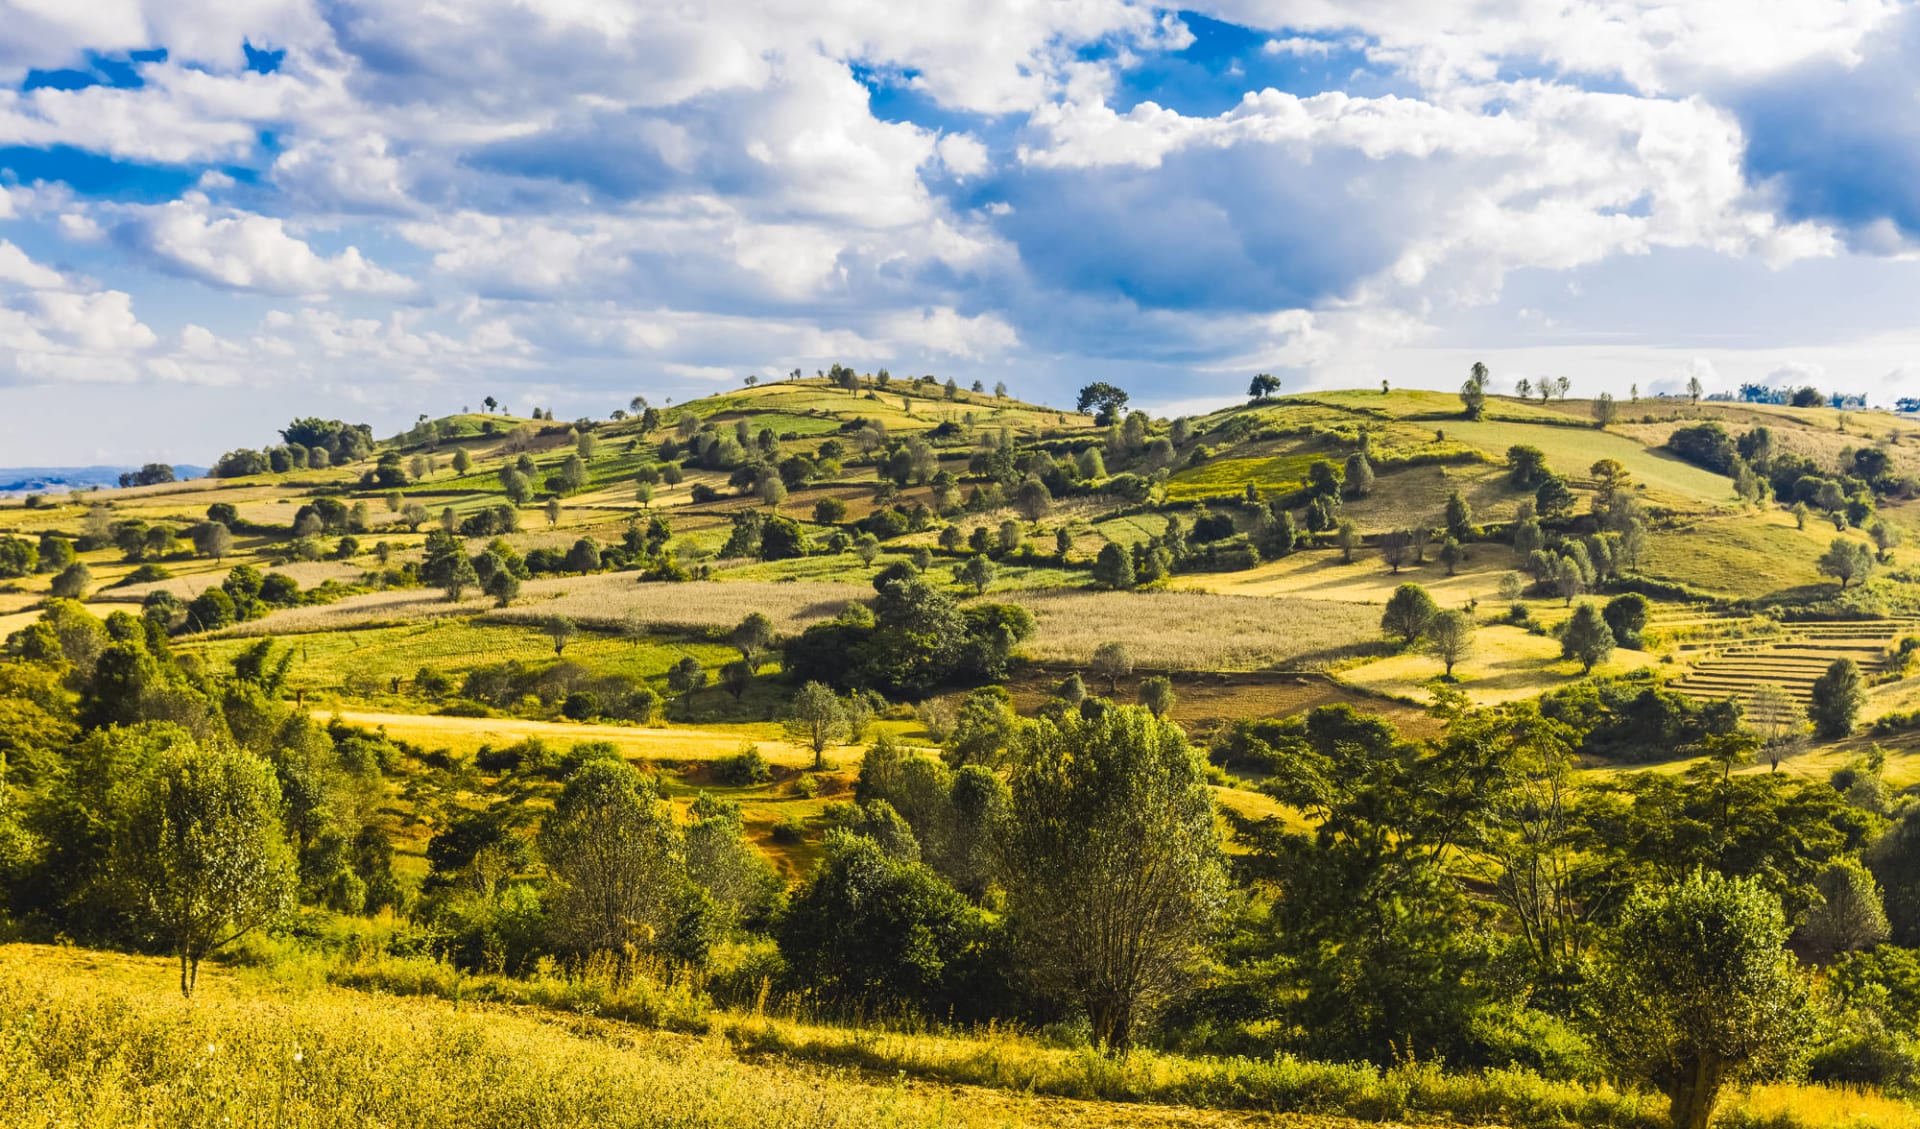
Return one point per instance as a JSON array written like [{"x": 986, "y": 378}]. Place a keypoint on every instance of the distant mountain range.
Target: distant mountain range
[{"x": 60, "y": 479}]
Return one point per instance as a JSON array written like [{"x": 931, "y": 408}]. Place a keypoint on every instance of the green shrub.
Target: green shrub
[{"x": 746, "y": 767}]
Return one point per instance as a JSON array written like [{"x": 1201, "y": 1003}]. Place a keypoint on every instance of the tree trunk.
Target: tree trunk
[
  {"x": 186, "y": 978},
  {"x": 1691, "y": 1099},
  {"x": 1112, "y": 1023}
]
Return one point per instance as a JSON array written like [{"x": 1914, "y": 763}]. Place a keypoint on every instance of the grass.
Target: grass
[
  {"x": 1508, "y": 663},
  {"x": 1746, "y": 555},
  {"x": 608, "y": 600},
  {"x": 1175, "y": 630},
  {"x": 419, "y": 1045},
  {"x": 72, "y": 1054},
  {"x": 1323, "y": 575},
  {"x": 1272, "y": 474},
  {"x": 375, "y": 656}
]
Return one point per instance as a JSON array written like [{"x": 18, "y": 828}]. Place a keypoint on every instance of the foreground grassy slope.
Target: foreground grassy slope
[{"x": 105, "y": 1041}]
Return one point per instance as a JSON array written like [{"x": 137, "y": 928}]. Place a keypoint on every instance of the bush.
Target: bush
[{"x": 746, "y": 767}]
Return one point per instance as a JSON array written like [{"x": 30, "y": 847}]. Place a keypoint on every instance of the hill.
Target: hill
[{"x": 809, "y": 633}]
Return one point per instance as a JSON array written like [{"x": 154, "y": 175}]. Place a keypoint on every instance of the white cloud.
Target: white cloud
[
  {"x": 19, "y": 270},
  {"x": 244, "y": 251}
]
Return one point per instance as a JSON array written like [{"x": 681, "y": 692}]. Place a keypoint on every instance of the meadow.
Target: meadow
[
  {"x": 283, "y": 1046},
  {"x": 1179, "y": 630}
]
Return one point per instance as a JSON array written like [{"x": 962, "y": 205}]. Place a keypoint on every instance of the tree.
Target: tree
[
  {"x": 1848, "y": 916},
  {"x": 1586, "y": 637},
  {"x": 1838, "y": 696},
  {"x": 615, "y": 854},
  {"x": 1112, "y": 661},
  {"x": 462, "y": 462},
  {"x": 1553, "y": 499},
  {"x": 1264, "y": 387},
  {"x": 72, "y": 582},
  {"x": 1450, "y": 638},
  {"x": 1115, "y": 870},
  {"x": 736, "y": 676},
  {"x": 1694, "y": 990},
  {"x": 553, "y": 511},
  {"x": 1459, "y": 518},
  {"x": 1105, "y": 400},
  {"x": 203, "y": 848},
  {"x": 502, "y": 586},
  {"x": 458, "y": 576},
  {"x": 1156, "y": 694},
  {"x": 1626, "y": 617},
  {"x": 1033, "y": 499},
  {"x": 1358, "y": 479},
  {"x": 976, "y": 572},
  {"x": 874, "y": 929},
  {"x": 1113, "y": 568},
  {"x": 1526, "y": 466},
  {"x": 753, "y": 637},
  {"x": 561, "y": 631},
  {"x": 816, "y": 720},
  {"x": 1846, "y": 560},
  {"x": 1694, "y": 388},
  {"x": 686, "y": 677},
  {"x": 1603, "y": 409},
  {"x": 1473, "y": 394},
  {"x": 1395, "y": 547},
  {"x": 1346, "y": 535},
  {"x": 212, "y": 539},
  {"x": 1886, "y": 537},
  {"x": 1779, "y": 722},
  {"x": 1611, "y": 481},
  {"x": 1409, "y": 610}
]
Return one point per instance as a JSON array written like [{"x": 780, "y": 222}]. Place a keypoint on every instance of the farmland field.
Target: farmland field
[{"x": 1195, "y": 630}]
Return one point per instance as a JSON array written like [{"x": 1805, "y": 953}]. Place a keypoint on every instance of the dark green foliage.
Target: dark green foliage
[
  {"x": 874, "y": 932},
  {"x": 1408, "y": 612},
  {"x": 1586, "y": 638},
  {"x": 919, "y": 639},
  {"x": 1706, "y": 445},
  {"x": 1626, "y": 617},
  {"x": 1694, "y": 992},
  {"x": 1630, "y": 720},
  {"x": 1838, "y": 697},
  {"x": 18, "y": 557},
  {"x": 1115, "y": 870}
]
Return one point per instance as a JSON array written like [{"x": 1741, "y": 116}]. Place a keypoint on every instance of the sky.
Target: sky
[{"x": 216, "y": 215}]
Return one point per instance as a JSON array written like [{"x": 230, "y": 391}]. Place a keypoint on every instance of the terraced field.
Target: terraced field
[{"x": 1793, "y": 659}]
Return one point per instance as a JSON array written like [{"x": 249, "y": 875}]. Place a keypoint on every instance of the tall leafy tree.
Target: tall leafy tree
[
  {"x": 1116, "y": 873},
  {"x": 1695, "y": 992},
  {"x": 204, "y": 851},
  {"x": 617, "y": 860},
  {"x": 1838, "y": 697}
]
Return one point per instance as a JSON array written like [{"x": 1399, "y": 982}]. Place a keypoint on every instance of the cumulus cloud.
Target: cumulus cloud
[
  {"x": 574, "y": 197},
  {"x": 243, "y": 251}
]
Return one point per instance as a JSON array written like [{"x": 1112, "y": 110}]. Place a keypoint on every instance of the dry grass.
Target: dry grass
[
  {"x": 1508, "y": 663},
  {"x": 610, "y": 600},
  {"x": 1194, "y": 630},
  {"x": 1322, "y": 575},
  {"x": 615, "y": 600},
  {"x": 247, "y": 1053}
]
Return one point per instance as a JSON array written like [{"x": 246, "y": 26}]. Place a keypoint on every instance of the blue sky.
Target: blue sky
[{"x": 216, "y": 214}]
